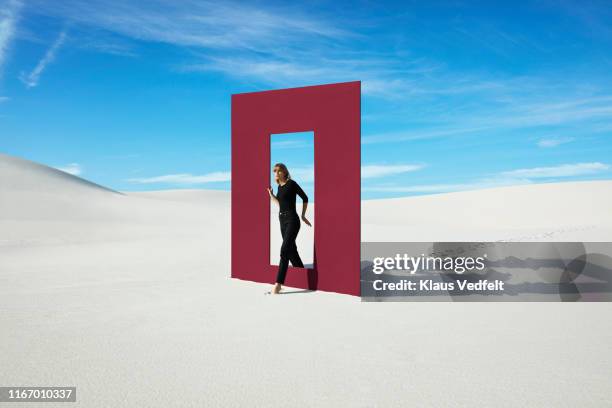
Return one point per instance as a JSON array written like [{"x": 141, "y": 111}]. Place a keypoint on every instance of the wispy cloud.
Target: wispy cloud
[
  {"x": 382, "y": 170},
  {"x": 565, "y": 110},
  {"x": 9, "y": 11},
  {"x": 291, "y": 144},
  {"x": 564, "y": 170},
  {"x": 4, "y": 99},
  {"x": 281, "y": 45},
  {"x": 184, "y": 178},
  {"x": 302, "y": 174},
  {"x": 31, "y": 80},
  {"x": 515, "y": 111},
  {"x": 502, "y": 179},
  {"x": 71, "y": 168},
  {"x": 306, "y": 174},
  {"x": 276, "y": 45},
  {"x": 379, "y": 73},
  {"x": 554, "y": 142},
  {"x": 419, "y": 134},
  {"x": 103, "y": 42},
  {"x": 206, "y": 24},
  {"x": 448, "y": 188},
  {"x": 209, "y": 25}
]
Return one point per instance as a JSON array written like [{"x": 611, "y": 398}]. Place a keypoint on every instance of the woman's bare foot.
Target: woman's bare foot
[{"x": 276, "y": 289}]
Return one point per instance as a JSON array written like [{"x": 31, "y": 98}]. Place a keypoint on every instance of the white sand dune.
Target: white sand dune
[
  {"x": 555, "y": 212},
  {"x": 128, "y": 297}
]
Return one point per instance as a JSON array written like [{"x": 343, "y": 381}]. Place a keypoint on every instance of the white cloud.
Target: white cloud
[
  {"x": 302, "y": 174},
  {"x": 8, "y": 19},
  {"x": 31, "y": 79},
  {"x": 284, "y": 45},
  {"x": 503, "y": 179},
  {"x": 382, "y": 170},
  {"x": 306, "y": 174},
  {"x": 591, "y": 114},
  {"x": 566, "y": 110},
  {"x": 385, "y": 75},
  {"x": 4, "y": 99},
  {"x": 291, "y": 144},
  {"x": 418, "y": 134},
  {"x": 71, "y": 168},
  {"x": 554, "y": 142},
  {"x": 274, "y": 45},
  {"x": 448, "y": 188},
  {"x": 564, "y": 170},
  {"x": 315, "y": 67},
  {"x": 206, "y": 24},
  {"x": 104, "y": 43},
  {"x": 185, "y": 178}
]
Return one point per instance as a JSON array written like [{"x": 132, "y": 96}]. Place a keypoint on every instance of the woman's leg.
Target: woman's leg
[
  {"x": 289, "y": 230},
  {"x": 294, "y": 256},
  {"x": 284, "y": 261}
]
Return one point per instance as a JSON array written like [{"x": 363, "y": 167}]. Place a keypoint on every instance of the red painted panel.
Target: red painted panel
[{"x": 333, "y": 113}]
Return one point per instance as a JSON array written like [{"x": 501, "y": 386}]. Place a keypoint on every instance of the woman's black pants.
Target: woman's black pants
[{"x": 290, "y": 226}]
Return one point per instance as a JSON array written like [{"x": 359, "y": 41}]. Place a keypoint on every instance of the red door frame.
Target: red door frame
[{"x": 333, "y": 113}]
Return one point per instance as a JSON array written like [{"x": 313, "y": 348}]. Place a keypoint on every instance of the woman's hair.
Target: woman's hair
[{"x": 283, "y": 169}]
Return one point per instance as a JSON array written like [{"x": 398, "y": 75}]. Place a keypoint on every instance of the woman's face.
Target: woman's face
[{"x": 278, "y": 174}]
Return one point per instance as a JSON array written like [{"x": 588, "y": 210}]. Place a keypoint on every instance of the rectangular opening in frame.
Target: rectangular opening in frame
[{"x": 296, "y": 151}]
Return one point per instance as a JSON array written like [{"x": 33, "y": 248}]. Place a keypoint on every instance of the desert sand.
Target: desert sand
[{"x": 127, "y": 296}]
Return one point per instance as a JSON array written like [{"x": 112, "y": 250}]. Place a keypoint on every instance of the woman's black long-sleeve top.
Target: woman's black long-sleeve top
[{"x": 286, "y": 195}]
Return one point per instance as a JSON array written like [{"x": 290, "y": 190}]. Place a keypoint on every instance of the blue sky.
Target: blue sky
[{"x": 456, "y": 95}]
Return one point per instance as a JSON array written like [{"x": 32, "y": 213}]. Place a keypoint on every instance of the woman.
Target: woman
[{"x": 285, "y": 197}]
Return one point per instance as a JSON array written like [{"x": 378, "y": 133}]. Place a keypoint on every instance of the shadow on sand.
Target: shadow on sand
[{"x": 291, "y": 292}]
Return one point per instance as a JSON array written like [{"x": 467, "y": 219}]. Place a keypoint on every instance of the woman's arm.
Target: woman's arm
[
  {"x": 272, "y": 196},
  {"x": 304, "y": 206},
  {"x": 304, "y": 198}
]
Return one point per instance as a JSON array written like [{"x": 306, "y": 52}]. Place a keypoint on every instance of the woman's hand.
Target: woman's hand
[
  {"x": 272, "y": 196},
  {"x": 306, "y": 221}
]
